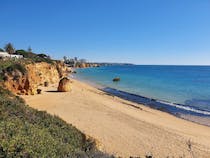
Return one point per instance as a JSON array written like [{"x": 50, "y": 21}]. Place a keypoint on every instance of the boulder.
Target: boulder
[
  {"x": 39, "y": 91},
  {"x": 116, "y": 79},
  {"x": 46, "y": 84},
  {"x": 64, "y": 85}
]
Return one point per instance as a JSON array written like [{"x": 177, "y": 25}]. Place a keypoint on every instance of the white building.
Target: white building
[
  {"x": 7, "y": 55},
  {"x": 4, "y": 54}
]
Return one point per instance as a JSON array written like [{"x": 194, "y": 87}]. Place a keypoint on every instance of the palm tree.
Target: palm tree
[{"x": 9, "y": 48}]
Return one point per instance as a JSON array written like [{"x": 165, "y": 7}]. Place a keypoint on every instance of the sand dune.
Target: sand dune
[{"x": 122, "y": 129}]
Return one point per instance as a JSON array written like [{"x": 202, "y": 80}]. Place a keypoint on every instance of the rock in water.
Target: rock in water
[
  {"x": 64, "y": 85},
  {"x": 116, "y": 79}
]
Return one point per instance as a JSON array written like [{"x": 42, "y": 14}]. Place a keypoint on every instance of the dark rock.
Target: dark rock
[
  {"x": 39, "y": 91},
  {"x": 46, "y": 84},
  {"x": 116, "y": 79}
]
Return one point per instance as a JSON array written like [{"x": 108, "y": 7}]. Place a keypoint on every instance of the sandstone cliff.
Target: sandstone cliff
[{"x": 36, "y": 74}]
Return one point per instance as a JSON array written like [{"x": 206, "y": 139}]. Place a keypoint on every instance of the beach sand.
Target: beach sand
[{"x": 121, "y": 128}]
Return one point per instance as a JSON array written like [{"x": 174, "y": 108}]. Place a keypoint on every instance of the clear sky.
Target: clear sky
[{"x": 134, "y": 31}]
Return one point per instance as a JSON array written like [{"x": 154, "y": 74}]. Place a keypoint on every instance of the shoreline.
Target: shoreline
[
  {"x": 120, "y": 128},
  {"x": 170, "y": 108},
  {"x": 186, "y": 112}
]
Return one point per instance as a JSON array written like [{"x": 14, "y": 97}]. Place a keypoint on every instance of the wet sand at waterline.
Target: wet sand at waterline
[{"x": 121, "y": 127}]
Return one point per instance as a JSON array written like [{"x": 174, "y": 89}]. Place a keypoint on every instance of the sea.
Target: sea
[{"x": 183, "y": 91}]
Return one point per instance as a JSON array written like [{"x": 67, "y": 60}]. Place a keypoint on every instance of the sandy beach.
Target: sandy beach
[{"x": 121, "y": 127}]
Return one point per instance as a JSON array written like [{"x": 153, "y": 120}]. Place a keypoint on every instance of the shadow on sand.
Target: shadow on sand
[{"x": 53, "y": 91}]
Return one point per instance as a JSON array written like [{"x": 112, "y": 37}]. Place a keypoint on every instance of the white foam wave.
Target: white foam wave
[{"x": 186, "y": 108}]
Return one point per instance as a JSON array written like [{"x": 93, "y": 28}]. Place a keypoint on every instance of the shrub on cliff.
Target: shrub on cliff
[
  {"x": 11, "y": 67},
  {"x": 16, "y": 66},
  {"x": 34, "y": 57},
  {"x": 26, "y": 132},
  {"x": 40, "y": 59},
  {"x": 25, "y": 54}
]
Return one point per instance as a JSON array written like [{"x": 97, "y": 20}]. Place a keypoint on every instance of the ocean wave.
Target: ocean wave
[
  {"x": 184, "y": 107},
  {"x": 155, "y": 103}
]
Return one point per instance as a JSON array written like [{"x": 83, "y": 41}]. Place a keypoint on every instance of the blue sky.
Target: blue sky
[{"x": 134, "y": 31}]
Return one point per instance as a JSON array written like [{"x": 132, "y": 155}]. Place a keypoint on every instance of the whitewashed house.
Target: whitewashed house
[
  {"x": 7, "y": 55},
  {"x": 4, "y": 54}
]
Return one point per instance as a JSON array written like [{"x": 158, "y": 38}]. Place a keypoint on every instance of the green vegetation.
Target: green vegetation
[
  {"x": 16, "y": 66},
  {"x": 26, "y": 132},
  {"x": 10, "y": 66},
  {"x": 25, "y": 54},
  {"x": 1, "y": 50},
  {"x": 34, "y": 57}
]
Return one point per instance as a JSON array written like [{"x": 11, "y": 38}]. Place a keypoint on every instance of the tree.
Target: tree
[
  {"x": 43, "y": 56},
  {"x": 29, "y": 49},
  {"x": 1, "y": 50},
  {"x": 9, "y": 48}
]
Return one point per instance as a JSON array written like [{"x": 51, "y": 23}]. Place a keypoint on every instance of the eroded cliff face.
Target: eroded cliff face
[
  {"x": 36, "y": 74},
  {"x": 86, "y": 65}
]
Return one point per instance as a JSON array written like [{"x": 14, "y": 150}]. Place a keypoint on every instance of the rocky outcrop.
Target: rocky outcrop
[
  {"x": 62, "y": 69},
  {"x": 64, "y": 85},
  {"x": 116, "y": 79},
  {"x": 86, "y": 65},
  {"x": 36, "y": 74}
]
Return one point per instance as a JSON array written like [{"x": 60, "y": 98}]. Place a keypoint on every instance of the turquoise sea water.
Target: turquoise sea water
[{"x": 188, "y": 86}]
